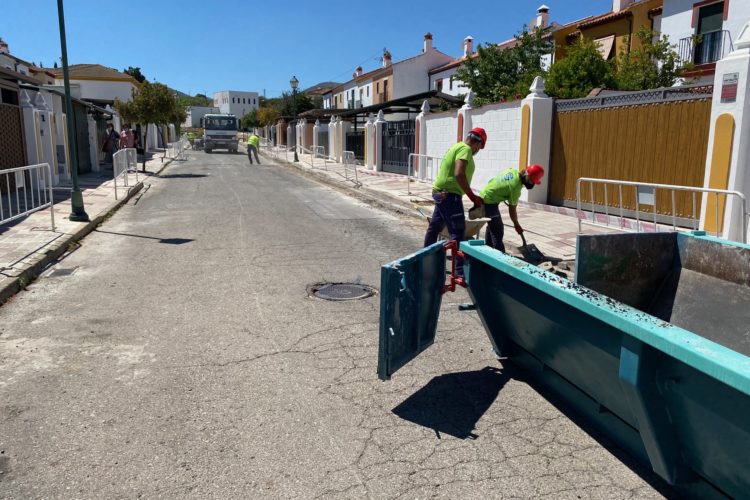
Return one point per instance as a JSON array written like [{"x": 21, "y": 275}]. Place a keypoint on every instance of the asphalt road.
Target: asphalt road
[{"x": 177, "y": 353}]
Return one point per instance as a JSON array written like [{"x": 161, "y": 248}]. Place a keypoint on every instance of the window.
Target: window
[
  {"x": 378, "y": 87},
  {"x": 253, "y": 100},
  {"x": 232, "y": 100},
  {"x": 710, "y": 21},
  {"x": 450, "y": 85},
  {"x": 439, "y": 85},
  {"x": 243, "y": 101},
  {"x": 368, "y": 91}
]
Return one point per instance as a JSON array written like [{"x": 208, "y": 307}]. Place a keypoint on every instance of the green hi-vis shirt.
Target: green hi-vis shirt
[
  {"x": 446, "y": 178},
  {"x": 505, "y": 187},
  {"x": 254, "y": 141}
]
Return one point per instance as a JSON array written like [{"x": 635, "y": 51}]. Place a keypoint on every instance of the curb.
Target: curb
[{"x": 32, "y": 272}]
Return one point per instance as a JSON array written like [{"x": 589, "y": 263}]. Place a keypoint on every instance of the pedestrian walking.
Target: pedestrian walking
[
  {"x": 253, "y": 143},
  {"x": 110, "y": 143},
  {"x": 452, "y": 182},
  {"x": 127, "y": 138},
  {"x": 505, "y": 187}
]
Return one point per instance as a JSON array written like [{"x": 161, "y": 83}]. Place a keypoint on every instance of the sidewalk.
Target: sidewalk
[
  {"x": 553, "y": 232},
  {"x": 28, "y": 245}
]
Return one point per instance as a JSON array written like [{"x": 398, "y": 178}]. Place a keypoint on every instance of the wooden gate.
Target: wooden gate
[{"x": 656, "y": 137}]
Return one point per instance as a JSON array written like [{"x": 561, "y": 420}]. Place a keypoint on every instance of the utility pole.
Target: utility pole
[{"x": 77, "y": 212}]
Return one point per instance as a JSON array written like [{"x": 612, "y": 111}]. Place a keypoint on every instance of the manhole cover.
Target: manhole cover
[
  {"x": 63, "y": 271},
  {"x": 341, "y": 291}
]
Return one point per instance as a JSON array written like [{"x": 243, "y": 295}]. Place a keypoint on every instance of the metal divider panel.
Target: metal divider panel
[{"x": 411, "y": 295}]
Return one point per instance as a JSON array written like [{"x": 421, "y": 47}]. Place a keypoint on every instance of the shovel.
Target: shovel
[{"x": 531, "y": 253}]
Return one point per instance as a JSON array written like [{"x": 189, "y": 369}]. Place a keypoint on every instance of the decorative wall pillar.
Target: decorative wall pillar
[
  {"x": 370, "y": 142},
  {"x": 420, "y": 141},
  {"x": 729, "y": 142},
  {"x": 316, "y": 131},
  {"x": 378, "y": 147},
  {"x": 537, "y": 112},
  {"x": 464, "y": 117}
]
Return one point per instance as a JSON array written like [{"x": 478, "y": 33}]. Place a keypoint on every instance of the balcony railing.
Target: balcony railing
[
  {"x": 354, "y": 104},
  {"x": 706, "y": 48}
]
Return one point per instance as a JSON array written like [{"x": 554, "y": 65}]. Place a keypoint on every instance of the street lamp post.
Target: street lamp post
[
  {"x": 77, "y": 212},
  {"x": 294, "y": 83}
]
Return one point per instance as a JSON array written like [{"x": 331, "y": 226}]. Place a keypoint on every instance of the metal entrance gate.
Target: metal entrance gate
[
  {"x": 355, "y": 142},
  {"x": 398, "y": 144},
  {"x": 323, "y": 140}
]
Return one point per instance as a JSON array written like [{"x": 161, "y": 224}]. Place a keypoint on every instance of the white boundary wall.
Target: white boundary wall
[
  {"x": 441, "y": 133},
  {"x": 502, "y": 122}
]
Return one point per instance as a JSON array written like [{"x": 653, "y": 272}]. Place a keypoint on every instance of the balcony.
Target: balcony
[{"x": 706, "y": 48}]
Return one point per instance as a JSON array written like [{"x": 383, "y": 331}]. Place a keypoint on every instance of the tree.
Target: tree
[
  {"x": 151, "y": 103},
  {"x": 267, "y": 115},
  {"x": 499, "y": 74},
  {"x": 135, "y": 73},
  {"x": 197, "y": 100},
  {"x": 250, "y": 120},
  {"x": 653, "y": 64},
  {"x": 582, "y": 70}
]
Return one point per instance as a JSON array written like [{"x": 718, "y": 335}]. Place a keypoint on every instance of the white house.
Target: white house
[
  {"x": 704, "y": 32},
  {"x": 98, "y": 84},
  {"x": 236, "y": 102},
  {"x": 411, "y": 76},
  {"x": 195, "y": 115},
  {"x": 442, "y": 78}
]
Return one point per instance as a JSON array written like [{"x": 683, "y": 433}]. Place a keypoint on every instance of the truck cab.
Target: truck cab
[{"x": 220, "y": 132}]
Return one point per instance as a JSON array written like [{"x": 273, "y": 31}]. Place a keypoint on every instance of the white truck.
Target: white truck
[{"x": 220, "y": 132}]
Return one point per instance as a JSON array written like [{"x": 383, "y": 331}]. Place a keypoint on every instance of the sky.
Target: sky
[{"x": 212, "y": 45}]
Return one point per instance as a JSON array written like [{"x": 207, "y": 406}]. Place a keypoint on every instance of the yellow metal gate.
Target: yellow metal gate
[{"x": 655, "y": 137}]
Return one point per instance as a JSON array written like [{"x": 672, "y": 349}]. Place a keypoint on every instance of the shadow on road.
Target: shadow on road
[
  {"x": 453, "y": 404},
  {"x": 182, "y": 176},
  {"x": 167, "y": 241}
]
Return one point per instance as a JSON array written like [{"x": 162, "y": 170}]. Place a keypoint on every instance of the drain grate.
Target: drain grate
[
  {"x": 62, "y": 271},
  {"x": 341, "y": 291}
]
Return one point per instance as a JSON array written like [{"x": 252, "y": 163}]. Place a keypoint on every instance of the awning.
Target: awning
[{"x": 605, "y": 45}]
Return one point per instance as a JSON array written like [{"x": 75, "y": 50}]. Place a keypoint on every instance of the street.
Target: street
[{"x": 177, "y": 353}]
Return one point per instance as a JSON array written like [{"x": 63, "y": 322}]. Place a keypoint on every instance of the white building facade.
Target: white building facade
[
  {"x": 195, "y": 115},
  {"x": 704, "y": 32},
  {"x": 235, "y": 102}
]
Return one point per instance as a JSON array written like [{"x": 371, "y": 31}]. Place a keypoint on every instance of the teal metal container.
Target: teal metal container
[{"x": 650, "y": 344}]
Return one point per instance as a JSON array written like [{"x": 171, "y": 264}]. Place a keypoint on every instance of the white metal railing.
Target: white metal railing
[
  {"x": 123, "y": 162},
  {"x": 320, "y": 152},
  {"x": 421, "y": 167},
  {"x": 32, "y": 192},
  {"x": 350, "y": 163},
  {"x": 646, "y": 195}
]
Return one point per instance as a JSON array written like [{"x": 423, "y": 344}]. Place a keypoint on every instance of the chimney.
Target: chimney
[
  {"x": 386, "y": 58},
  {"x": 618, "y": 5},
  {"x": 542, "y": 17},
  {"x": 468, "y": 46},
  {"x": 3, "y": 47},
  {"x": 357, "y": 71},
  {"x": 427, "y": 42}
]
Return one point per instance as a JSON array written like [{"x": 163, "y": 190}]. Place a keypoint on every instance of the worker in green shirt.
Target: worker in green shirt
[
  {"x": 506, "y": 187},
  {"x": 253, "y": 143},
  {"x": 452, "y": 182}
]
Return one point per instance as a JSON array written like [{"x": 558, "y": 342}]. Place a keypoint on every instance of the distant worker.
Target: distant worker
[
  {"x": 191, "y": 138},
  {"x": 506, "y": 187},
  {"x": 452, "y": 182},
  {"x": 253, "y": 142}
]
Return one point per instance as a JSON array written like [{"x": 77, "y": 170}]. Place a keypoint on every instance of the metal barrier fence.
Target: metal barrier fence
[
  {"x": 26, "y": 190},
  {"x": 175, "y": 150},
  {"x": 646, "y": 196},
  {"x": 421, "y": 167},
  {"x": 350, "y": 163},
  {"x": 123, "y": 162}
]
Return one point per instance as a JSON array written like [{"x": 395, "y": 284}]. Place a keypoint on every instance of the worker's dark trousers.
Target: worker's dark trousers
[
  {"x": 493, "y": 235},
  {"x": 449, "y": 211},
  {"x": 252, "y": 150}
]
